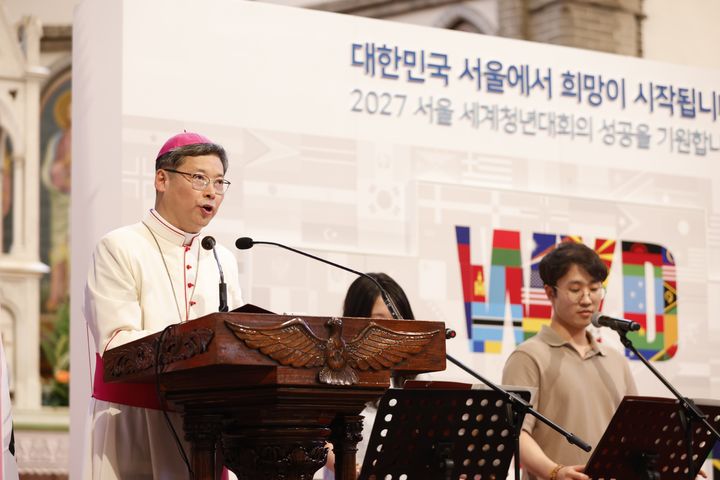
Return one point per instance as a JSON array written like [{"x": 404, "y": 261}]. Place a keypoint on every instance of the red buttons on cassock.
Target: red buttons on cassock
[
  {"x": 190, "y": 285},
  {"x": 192, "y": 302}
]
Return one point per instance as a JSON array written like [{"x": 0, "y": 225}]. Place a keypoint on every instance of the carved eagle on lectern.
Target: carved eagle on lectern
[{"x": 294, "y": 344}]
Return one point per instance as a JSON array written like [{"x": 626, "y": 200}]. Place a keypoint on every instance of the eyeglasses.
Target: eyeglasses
[
  {"x": 200, "y": 181},
  {"x": 577, "y": 293}
]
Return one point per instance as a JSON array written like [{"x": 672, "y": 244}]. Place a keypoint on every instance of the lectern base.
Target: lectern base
[{"x": 273, "y": 453}]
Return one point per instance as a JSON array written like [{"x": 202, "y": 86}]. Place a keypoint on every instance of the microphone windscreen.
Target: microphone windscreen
[
  {"x": 595, "y": 319},
  {"x": 208, "y": 243},
  {"x": 243, "y": 243}
]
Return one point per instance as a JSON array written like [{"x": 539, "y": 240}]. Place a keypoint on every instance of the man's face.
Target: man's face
[
  {"x": 575, "y": 298},
  {"x": 179, "y": 203}
]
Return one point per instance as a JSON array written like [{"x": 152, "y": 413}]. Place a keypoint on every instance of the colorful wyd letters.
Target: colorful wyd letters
[{"x": 648, "y": 272}]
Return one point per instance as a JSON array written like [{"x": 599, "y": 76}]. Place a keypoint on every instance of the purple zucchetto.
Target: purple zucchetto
[{"x": 182, "y": 140}]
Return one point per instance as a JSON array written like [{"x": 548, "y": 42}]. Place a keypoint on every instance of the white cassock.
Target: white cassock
[
  {"x": 142, "y": 278},
  {"x": 8, "y": 465}
]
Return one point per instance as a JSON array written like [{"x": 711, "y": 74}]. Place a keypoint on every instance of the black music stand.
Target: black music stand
[
  {"x": 431, "y": 433},
  {"x": 646, "y": 440}
]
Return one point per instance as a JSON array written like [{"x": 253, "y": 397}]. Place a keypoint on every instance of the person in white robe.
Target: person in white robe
[
  {"x": 8, "y": 465},
  {"x": 142, "y": 278}
]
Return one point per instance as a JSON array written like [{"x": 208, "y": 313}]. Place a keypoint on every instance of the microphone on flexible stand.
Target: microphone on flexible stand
[
  {"x": 618, "y": 324},
  {"x": 245, "y": 243},
  {"x": 208, "y": 243},
  {"x": 689, "y": 412}
]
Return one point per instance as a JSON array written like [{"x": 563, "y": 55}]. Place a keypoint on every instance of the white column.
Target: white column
[{"x": 27, "y": 234}]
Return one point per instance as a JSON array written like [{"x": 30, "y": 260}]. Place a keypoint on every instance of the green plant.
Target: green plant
[{"x": 56, "y": 348}]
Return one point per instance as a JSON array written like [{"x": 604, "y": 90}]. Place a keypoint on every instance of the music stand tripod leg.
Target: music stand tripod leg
[{"x": 516, "y": 412}]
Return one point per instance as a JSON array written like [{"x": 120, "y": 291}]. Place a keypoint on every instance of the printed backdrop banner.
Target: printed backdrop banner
[{"x": 449, "y": 160}]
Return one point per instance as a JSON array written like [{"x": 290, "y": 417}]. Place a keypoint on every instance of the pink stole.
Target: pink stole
[{"x": 143, "y": 395}]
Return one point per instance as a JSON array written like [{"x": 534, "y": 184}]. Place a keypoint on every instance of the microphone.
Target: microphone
[
  {"x": 208, "y": 243},
  {"x": 245, "y": 243},
  {"x": 620, "y": 325}
]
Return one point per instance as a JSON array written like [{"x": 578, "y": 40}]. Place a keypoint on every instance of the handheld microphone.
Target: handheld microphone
[
  {"x": 620, "y": 325},
  {"x": 208, "y": 243},
  {"x": 244, "y": 243}
]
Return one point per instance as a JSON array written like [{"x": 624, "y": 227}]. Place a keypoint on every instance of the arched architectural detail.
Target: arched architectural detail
[
  {"x": 57, "y": 68},
  {"x": 59, "y": 73},
  {"x": 459, "y": 14}
]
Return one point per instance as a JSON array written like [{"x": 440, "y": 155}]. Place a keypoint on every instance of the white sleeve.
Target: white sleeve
[{"x": 112, "y": 297}]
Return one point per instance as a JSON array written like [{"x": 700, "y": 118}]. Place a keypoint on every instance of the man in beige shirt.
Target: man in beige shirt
[{"x": 579, "y": 382}]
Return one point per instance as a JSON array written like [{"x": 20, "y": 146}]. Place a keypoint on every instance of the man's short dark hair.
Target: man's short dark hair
[
  {"x": 174, "y": 158},
  {"x": 557, "y": 263}
]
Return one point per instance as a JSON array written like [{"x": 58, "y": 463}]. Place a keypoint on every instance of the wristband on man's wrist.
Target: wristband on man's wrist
[{"x": 554, "y": 471}]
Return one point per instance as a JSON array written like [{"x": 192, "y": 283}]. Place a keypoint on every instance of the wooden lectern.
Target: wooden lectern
[{"x": 267, "y": 391}]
